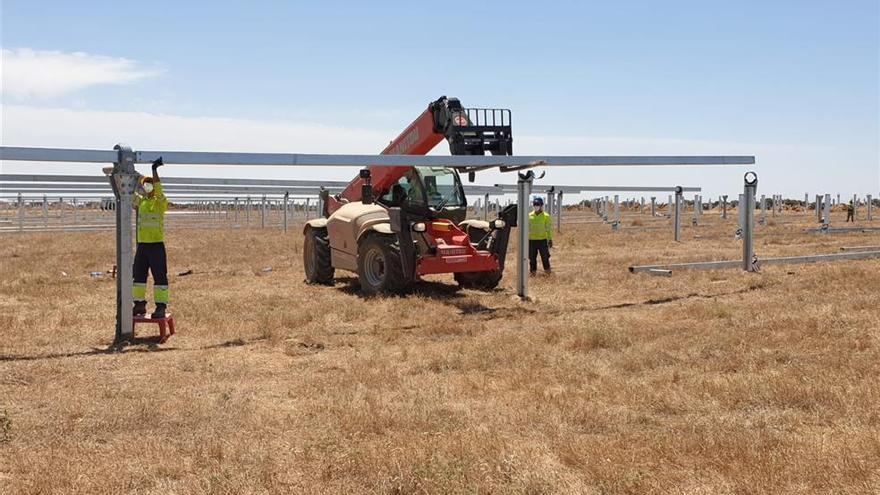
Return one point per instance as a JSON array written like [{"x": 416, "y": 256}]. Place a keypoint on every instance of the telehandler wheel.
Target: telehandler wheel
[
  {"x": 316, "y": 256},
  {"x": 379, "y": 266},
  {"x": 479, "y": 280}
]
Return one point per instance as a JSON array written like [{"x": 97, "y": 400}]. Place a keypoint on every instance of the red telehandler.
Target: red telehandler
[{"x": 393, "y": 224}]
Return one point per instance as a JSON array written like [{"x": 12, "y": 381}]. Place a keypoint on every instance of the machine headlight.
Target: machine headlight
[
  {"x": 419, "y": 227},
  {"x": 498, "y": 224}
]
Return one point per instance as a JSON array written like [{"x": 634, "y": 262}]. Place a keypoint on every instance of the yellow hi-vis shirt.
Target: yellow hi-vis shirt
[
  {"x": 540, "y": 226},
  {"x": 151, "y": 215}
]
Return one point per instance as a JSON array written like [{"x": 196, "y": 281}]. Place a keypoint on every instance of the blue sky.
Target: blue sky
[{"x": 795, "y": 83}]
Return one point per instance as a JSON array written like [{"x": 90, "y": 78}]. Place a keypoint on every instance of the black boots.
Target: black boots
[
  {"x": 140, "y": 308},
  {"x": 160, "y": 311}
]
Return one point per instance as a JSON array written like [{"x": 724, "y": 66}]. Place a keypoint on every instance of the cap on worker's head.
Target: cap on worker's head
[
  {"x": 538, "y": 201},
  {"x": 144, "y": 179}
]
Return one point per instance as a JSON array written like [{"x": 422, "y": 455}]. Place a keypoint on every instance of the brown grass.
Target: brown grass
[{"x": 707, "y": 382}]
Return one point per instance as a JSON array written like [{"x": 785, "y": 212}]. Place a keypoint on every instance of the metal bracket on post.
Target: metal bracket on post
[
  {"x": 123, "y": 180},
  {"x": 749, "y": 263},
  {"x": 523, "y": 191},
  {"x": 676, "y": 214}
]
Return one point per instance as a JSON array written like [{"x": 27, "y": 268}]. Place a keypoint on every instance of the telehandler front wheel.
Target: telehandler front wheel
[
  {"x": 316, "y": 256},
  {"x": 379, "y": 266}
]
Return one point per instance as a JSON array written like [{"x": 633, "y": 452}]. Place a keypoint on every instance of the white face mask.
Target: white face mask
[{"x": 148, "y": 187}]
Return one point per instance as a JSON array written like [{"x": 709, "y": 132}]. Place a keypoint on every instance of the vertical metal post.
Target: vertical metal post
[
  {"x": 826, "y": 220},
  {"x": 818, "y": 208},
  {"x": 524, "y": 190},
  {"x": 855, "y": 207},
  {"x": 806, "y": 203},
  {"x": 485, "y": 206},
  {"x": 669, "y": 206},
  {"x": 74, "y": 211},
  {"x": 616, "y": 223},
  {"x": 653, "y": 206},
  {"x": 20, "y": 213},
  {"x": 642, "y": 207},
  {"x": 724, "y": 207},
  {"x": 676, "y": 215},
  {"x": 763, "y": 210},
  {"x": 838, "y": 198},
  {"x": 45, "y": 212},
  {"x": 748, "y": 216},
  {"x": 559, "y": 212},
  {"x": 774, "y": 205},
  {"x": 247, "y": 212},
  {"x": 286, "y": 198},
  {"x": 308, "y": 208},
  {"x": 263, "y": 212},
  {"x": 870, "y": 215},
  {"x": 123, "y": 180},
  {"x": 235, "y": 211},
  {"x": 697, "y": 207}
]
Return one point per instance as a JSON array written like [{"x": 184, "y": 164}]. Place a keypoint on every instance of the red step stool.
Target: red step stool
[{"x": 166, "y": 325}]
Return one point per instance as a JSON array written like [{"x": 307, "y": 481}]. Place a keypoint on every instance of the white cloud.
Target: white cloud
[
  {"x": 782, "y": 169},
  {"x": 33, "y": 74}
]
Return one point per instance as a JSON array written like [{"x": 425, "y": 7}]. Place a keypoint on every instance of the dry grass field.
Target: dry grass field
[{"x": 708, "y": 382}]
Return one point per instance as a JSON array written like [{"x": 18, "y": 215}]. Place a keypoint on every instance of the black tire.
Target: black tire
[
  {"x": 379, "y": 267},
  {"x": 479, "y": 280},
  {"x": 316, "y": 256}
]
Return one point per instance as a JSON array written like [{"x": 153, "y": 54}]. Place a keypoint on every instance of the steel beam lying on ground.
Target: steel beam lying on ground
[
  {"x": 710, "y": 265},
  {"x": 860, "y": 248}
]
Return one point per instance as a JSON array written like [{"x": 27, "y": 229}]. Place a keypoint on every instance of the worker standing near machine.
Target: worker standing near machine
[
  {"x": 540, "y": 236},
  {"x": 850, "y": 212},
  {"x": 151, "y": 204}
]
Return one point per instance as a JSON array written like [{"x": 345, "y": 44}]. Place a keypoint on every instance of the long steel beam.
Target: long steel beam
[
  {"x": 579, "y": 189},
  {"x": 327, "y": 160},
  {"x": 704, "y": 265}
]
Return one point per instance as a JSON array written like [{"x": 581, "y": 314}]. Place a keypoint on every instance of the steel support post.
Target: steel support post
[
  {"x": 676, "y": 214},
  {"x": 642, "y": 207},
  {"x": 669, "y": 206},
  {"x": 855, "y": 201},
  {"x": 20, "y": 213},
  {"x": 653, "y": 206},
  {"x": 559, "y": 212},
  {"x": 45, "y": 211},
  {"x": 524, "y": 190},
  {"x": 61, "y": 208},
  {"x": 74, "y": 211},
  {"x": 286, "y": 199},
  {"x": 697, "y": 208},
  {"x": 826, "y": 215},
  {"x": 763, "y": 210},
  {"x": 319, "y": 207},
  {"x": 838, "y": 198},
  {"x": 235, "y": 211},
  {"x": 615, "y": 224},
  {"x": 724, "y": 207},
  {"x": 247, "y": 212},
  {"x": 818, "y": 208},
  {"x": 485, "y": 206},
  {"x": 806, "y": 203},
  {"x": 774, "y": 205},
  {"x": 870, "y": 212},
  {"x": 123, "y": 180},
  {"x": 748, "y": 225}
]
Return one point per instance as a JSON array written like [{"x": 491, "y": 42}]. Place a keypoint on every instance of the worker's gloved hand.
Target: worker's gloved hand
[
  {"x": 550, "y": 243},
  {"x": 158, "y": 163}
]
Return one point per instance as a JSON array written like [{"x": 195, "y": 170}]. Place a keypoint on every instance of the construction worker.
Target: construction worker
[
  {"x": 540, "y": 236},
  {"x": 151, "y": 204},
  {"x": 850, "y": 212}
]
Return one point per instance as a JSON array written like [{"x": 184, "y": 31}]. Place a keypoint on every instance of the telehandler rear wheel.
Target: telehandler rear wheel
[
  {"x": 379, "y": 266},
  {"x": 479, "y": 280},
  {"x": 316, "y": 256}
]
